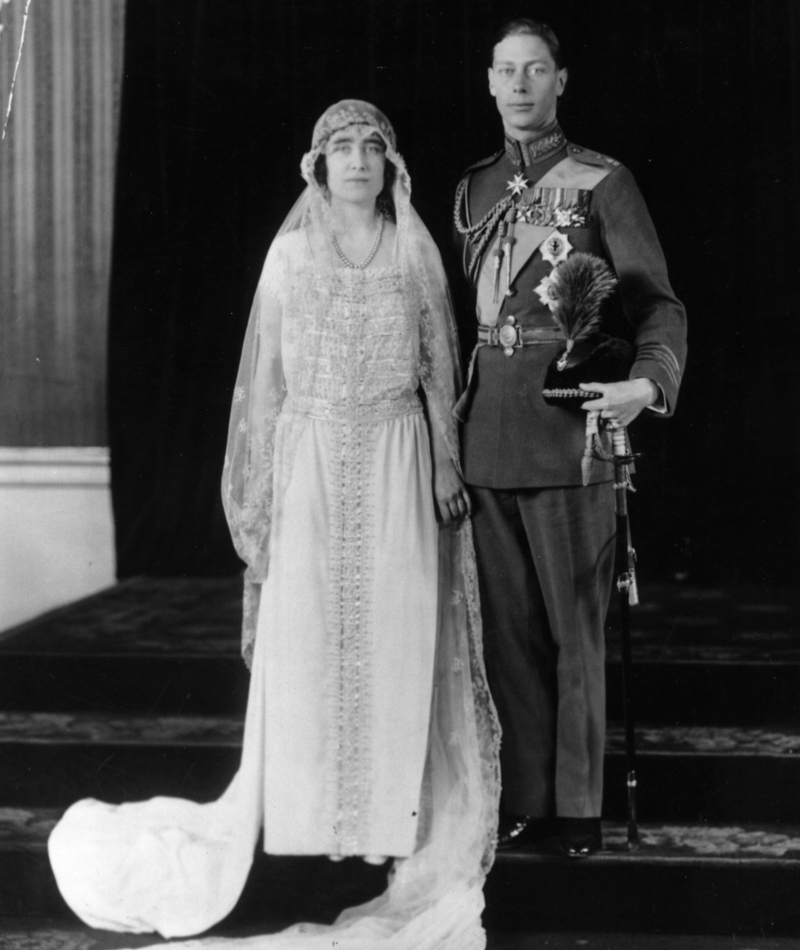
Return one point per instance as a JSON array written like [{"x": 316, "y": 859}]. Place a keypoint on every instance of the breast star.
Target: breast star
[{"x": 518, "y": 185}]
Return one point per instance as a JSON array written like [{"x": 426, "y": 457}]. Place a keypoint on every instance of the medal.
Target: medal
[
  {"x": 518, "y": 185},
  {"x": 556, "y": 248}
]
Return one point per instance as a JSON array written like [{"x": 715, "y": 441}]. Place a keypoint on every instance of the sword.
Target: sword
[{"x": 628, "y": 595}]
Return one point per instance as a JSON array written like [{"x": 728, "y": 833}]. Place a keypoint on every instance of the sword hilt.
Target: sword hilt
[{"x": 619, "y": 444}]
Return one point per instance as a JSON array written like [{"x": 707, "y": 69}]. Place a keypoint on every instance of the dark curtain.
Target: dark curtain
[{"x": 700, "y": 100}]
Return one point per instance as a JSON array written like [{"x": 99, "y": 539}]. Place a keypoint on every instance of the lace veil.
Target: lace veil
[{"x": 250, "y": 484}]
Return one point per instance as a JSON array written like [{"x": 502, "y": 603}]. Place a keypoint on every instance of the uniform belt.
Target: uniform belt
[{"x": 508, "y": 335}]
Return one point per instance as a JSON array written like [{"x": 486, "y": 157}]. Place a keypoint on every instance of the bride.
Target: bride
[{"x": 369, "y": 729}]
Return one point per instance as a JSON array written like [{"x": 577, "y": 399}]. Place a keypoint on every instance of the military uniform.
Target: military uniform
[{"x": 545, "y": 543}]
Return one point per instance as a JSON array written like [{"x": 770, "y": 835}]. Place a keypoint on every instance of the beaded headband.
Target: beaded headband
[
  {"x": 351, "y": 112},
  {"x": 340, "y": 116}
]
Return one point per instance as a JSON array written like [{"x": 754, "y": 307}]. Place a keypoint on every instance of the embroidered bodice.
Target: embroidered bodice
[{"x": 354, "y": 356}]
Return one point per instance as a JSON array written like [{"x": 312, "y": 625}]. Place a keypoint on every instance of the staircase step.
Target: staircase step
[
  {"x": 688, "y": 692},
  {"x": 27, "y": 885},
  {"x": 758, "y": 620},
  {"x": 171, "y": 645},
  {"x": 714, "y": 689},
  {"x": 161, "y": 684},
  {"x": 715, "y": 656},
  {"x": 711, "y": 773},
  {"x": 54, "y": 759},
  {"x": 163, "y": 645},
  {"x": 717, "y": 774},
  {"x": 692, "y": 878},
  {"x": 140, "y": 691}
]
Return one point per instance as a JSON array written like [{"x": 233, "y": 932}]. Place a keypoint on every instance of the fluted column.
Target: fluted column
[{"x": 56, "y": 198}]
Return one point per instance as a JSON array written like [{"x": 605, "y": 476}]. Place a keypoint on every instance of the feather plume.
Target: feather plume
[{"x": 581, "y": 283}]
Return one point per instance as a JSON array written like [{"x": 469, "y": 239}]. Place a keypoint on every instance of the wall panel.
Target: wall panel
[{"x": 56, "y": 199}]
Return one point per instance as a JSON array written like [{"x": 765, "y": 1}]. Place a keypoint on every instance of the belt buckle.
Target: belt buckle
[{"x": 508, "y": 336}]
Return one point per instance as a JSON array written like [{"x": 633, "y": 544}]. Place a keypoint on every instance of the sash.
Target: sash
[{"x": 568, "y": 175}]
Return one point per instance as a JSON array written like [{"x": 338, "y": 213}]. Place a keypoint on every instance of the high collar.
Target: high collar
[{"x": 523, "y": 154}]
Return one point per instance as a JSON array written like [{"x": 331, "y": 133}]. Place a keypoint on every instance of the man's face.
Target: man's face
[{"x": 525, "y": 83}]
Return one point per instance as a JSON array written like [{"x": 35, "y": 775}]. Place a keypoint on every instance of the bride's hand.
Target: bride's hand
[{"x": 451, "y": 496}]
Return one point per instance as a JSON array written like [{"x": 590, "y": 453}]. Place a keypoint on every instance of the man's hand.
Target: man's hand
[{"x": 620, "y": 403}]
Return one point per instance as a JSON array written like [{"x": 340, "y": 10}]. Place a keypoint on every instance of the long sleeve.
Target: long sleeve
[{"x": 658, "y": 317}]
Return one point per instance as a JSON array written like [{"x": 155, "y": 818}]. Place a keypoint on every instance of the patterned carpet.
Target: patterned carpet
[
  {"x": 691, "y": 624},
  {"x": 142, "y": 616},
  {"x": 77, "y": 728},
  {"x": 22, "y": 827},
  {"x": 708, "y": 841},
  {"x": 709, "y": 740},
  {"x": 165, "y": 648},
  {"x": 56, "y": 935},
  {"x": 46, "y": 935},
  {"x": 226, "y": 730},
  {"x": 191, "y": 616}
]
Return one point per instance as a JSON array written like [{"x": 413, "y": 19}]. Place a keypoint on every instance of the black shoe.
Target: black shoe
[
  {"x": 516, "y": 831},
  {"x": 580, "y": 837}
]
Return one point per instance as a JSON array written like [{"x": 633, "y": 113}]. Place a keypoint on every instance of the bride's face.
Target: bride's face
[{"x": 355, "y": 159}]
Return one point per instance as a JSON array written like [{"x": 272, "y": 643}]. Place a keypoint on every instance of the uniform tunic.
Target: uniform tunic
[
  {"x": 545, "y": 545},
  {"x": 512, "y": 439}
]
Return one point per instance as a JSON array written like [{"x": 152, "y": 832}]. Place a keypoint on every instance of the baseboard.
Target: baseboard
[{"x": 56, "y": 529}]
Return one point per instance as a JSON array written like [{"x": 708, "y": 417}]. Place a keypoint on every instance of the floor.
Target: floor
[
  {"x": 57, "y": 935},
  {"x": 150, "y": 669}
]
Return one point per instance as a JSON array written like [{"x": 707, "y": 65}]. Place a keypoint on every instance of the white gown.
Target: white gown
[
  {"x": 369, "y": 729},
  {"x": 349, "y": 609}
]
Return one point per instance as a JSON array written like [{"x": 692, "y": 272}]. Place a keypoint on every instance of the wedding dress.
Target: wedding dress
[{"x": 369, "y": 726}]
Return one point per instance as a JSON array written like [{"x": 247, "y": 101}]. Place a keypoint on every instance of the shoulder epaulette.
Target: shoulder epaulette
[
  {"x": 588, "y": 157},
  {"x": 483, "y": 163}
]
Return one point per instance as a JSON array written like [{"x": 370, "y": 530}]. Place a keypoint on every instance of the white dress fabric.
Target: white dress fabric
[
  {"x": 347, "y": 618},
  {"x": 369, "y": 726}
]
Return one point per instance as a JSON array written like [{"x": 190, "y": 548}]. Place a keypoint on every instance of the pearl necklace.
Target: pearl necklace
[{"x": 372, "y": 251}]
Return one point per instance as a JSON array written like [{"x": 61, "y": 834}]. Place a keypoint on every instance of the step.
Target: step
[
  {"x": 684, "y": 774},
  {"x": 711, "y": 773},
  {"x": 113, "y": 682},
  {"x": 722, "y": 656},
  {"x": 691, "y": 878},
  {"x": 45, "y": 934},
  {"x": 683, "y": 879},
  {"x": 712, "y": 688},
  {"x": 54, "y": 759},
  {"x": 722, "y": 692},
  {"x": 164, "y": 645},
  {"x": 759, "y": 619},
  {"x": 27, "y": 886},
  {"x": 142, "y": 615},
  {"x": 171, "y": 645}
]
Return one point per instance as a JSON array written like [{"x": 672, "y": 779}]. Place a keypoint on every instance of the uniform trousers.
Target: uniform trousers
[{"x": 545, "y": 569}]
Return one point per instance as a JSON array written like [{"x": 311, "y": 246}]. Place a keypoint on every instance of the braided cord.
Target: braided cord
[{"x": 481, "y": 232}]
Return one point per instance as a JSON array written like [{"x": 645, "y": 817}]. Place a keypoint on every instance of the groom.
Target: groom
[{"x": 545, "y": 543}]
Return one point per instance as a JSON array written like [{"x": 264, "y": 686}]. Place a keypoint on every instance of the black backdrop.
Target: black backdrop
[{"x": 700, "y": 100}]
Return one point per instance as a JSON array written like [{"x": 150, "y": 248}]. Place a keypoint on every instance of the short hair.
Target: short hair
[
  {"x": 389, "y": 176},
  {"x": 523, "y": 26}
]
